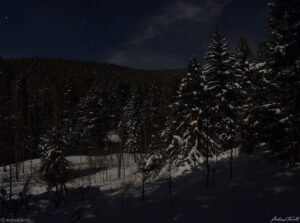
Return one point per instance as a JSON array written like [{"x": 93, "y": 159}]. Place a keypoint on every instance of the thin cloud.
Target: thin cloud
[
  {"x": 120, "y": 58},
  {"x": 149, "y": 60},
  {"x": 204, "y": 12},
  {"x": 201, "y": 11}
]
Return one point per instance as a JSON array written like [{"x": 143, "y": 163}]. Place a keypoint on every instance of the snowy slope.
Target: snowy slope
[
  {"x": 100, "y": 171},
  {"x": 261, "y": 189}
]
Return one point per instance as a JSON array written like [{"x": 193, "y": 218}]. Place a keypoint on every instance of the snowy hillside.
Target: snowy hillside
[
  {"x": 261, "y": 189},
  {"x": 99, "y": 171}
]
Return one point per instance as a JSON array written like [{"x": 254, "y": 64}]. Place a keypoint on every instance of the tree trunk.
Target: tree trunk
[
  {"x": 23, "y": 161},
  {"x": 143, "y": 161},
  {"x": 30, "y": 162},
  {"x": 124, "y": 167},
  {"x": 214, "y": 171},
  {"x": 120, "y": 156},
  {"x": 17, "y": 170},
  {"x": 16, "y": 156},
  {"x": 10, "y": 181},
  {"x": 207, "y": 172},
  {"x": 143, "y": 190},
  {"x": 231, "y": 163},
  {"x": 171, "y": 185},
  {"x": 143, "y": 175},
  {"x": 119, "y": 165},
  {"x": 207, "y": 158}
]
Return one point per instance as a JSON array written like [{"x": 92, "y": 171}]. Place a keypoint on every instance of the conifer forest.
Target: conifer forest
[{"x": 215, "y": 141}]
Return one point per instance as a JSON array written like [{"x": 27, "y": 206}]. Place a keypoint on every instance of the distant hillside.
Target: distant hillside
[
  {"x": 88, "y": 72},
  {"x": 35, "y": 93}
]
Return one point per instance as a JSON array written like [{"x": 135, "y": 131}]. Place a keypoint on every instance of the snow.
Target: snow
[
  {"x": 113, "y": 136},
  {"x": 260, "y": 190},
  {"x": 102, "y": 178},
  {"x": 284, "y": 120},
  {"x": 260, "y": 65}
]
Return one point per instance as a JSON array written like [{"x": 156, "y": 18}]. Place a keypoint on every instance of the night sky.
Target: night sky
[{"x": 137, "y": 33}]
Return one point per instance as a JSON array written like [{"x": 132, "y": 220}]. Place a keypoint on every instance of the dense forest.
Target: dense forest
[
  {"x": 38, "y": 94},
  {"x": 239, "y": 99}
]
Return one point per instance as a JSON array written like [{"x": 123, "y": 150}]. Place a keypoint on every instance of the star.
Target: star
[{"x": 4, "y": 18}]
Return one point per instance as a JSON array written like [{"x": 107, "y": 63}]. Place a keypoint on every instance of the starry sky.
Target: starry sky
[{"x": 144, "y": 34}]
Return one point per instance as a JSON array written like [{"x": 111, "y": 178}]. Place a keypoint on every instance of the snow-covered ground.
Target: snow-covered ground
[
  {"x": 100, "y": 171},
  {"x": 261, "y": 189}
]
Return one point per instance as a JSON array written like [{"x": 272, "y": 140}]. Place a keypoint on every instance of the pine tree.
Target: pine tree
[
  {"x": 67, "y": 119},
  {"x": 284, "y": 63},
  {"x": 183, "y": 148},
  {"x": 154, "y": 119},
  {"x": 19, "y": 126},
  {"x": 246, "y": 85},
  {"x": 56, "y": 144},
  {"x": 221, "y": 87},
  {"x": 7, "y": 135},
  {"x": 257, "y": 113},
  {"x": 118, "y": 99},
  {"x": 90, "y": 126},
  {"x": 170, "y": 154},
  {"x": 134, "y": 126},
  {"x": 136, "y": 142},
  {"x": 54, "y": 165}
]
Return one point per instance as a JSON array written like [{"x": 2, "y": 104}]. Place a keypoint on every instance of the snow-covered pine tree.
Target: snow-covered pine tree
[
  {"x": 134, "y": 126},
  {"x": 259, "y": 112},
  {"x": 89, "y": 123},
  {"x": 162, "y": 129},
  {"x": 68, "y": 119},
  {"x": 247, "y": 90},
  {"x": 57, "y": 143},
  {"x": 170, "y": 142},
  {"x": 136, "y": 143},
  {"x": 123, "y": 133},
  {"x": 183, "y": 148},
  {"x": 7, "y": 123},
  {"x": 18, "y": 123},
  {"x": 243, "y": 68},
  {"x": 118, "y": 99},
  {"x": 155, "y": 118},
  {"x": 284, "y": 74},
  {"x": 221, "y": 84},
  {"x": 54, "y": 165}
]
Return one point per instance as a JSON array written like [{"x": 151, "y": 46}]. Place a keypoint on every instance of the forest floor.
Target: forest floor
[{"x": 261, "y": 190}]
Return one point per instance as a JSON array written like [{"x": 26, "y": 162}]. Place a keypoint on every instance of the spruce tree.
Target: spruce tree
[
  {"x": 54, "y": 165},
  {"x": 186, "y": 109},
  {"x": 56, "y": 143},
  {"x": 284, "y": 42},
  {"x": 221, "y": 86},
  {"x": 90, "y": 122},
  {"x": 246, "y": 86},
  {"x": 282, "y": 75},
  {"x": 134, "y": 126}
]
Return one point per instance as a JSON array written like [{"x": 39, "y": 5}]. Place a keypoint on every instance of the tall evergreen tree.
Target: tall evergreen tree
[
  {"x": 283, "y": 75},
  {"x": 54, "y": 165},
  {"x": 246, "y": 85},
  {"x": 221, "y": 84},
  {"x": 183, "y": 112},
  {"x": 284, "y": 27},
  {"x": 90, "y": 124},
  {"x": 57, "y": 143},
  {"x": 134, "y": 126}
]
